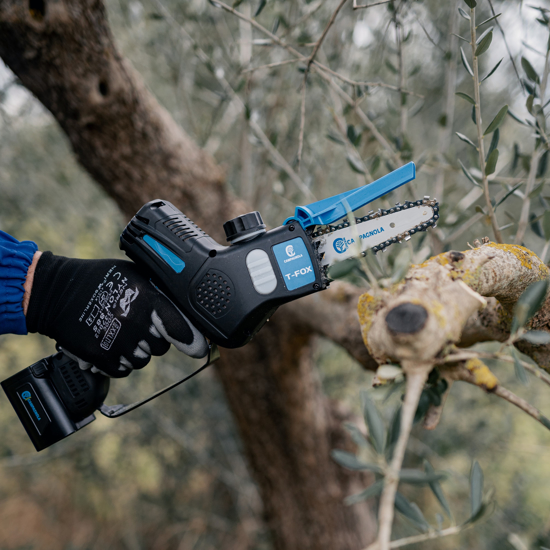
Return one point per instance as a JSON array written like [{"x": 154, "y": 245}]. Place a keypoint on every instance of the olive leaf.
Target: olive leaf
[
  {"x": 464, "y": 14},
  {"x": 411, "y": 511},
  {"x": 537, "y": 337},
  {"x": 471, "y": 3},
  {"x": 476, "y": 488},
  {"x": 519, "y": 369},
  {"x": 393, "y": 433},
  {"x": 261, "y": 6},
  {"x": 491, "y": 164},
  {"x": 529, "y": 71},
  {"x": 436, "y": 489},
  {"x": 372, "y": 491},
  {"x": 494, "y": 143},
  {"x": 487, "y": 20},
  {"x": 529, "y": 303},
  {"x": 358, "y": 438},
  {"x": 546, "y": 225},
  {"x": 351, "y": 462},
  {"x": 373, "y": 422},
  {"x": 510, "y": 192},
  {"x": 491, "y": 71},
  {"x": 466, "y": 97},
  {"x": 484, "y": 44},
  {"x": 466, "y": 139},
  {"x": 467, "y": 174},
  {"x": 418, "y": 477},
  {"x": 465, "y": 61},
  {"x": 355, "y": 164},
  {"x": 497, "y": 121}
]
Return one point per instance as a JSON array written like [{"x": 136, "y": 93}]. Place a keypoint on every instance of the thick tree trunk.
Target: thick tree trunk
[{"x": 63, "y": 51}]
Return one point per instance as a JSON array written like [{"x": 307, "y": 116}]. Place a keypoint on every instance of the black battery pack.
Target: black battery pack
[{"x": 55, "y": 398}]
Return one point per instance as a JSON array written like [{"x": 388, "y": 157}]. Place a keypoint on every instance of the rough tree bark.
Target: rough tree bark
[{"x": 64, "y": 53}]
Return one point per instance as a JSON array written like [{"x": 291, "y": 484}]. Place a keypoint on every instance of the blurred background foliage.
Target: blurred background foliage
[{"x": 172, "y": 475}]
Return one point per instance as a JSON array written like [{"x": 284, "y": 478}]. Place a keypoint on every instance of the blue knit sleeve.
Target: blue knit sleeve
[{"x": 15, "y": 259}]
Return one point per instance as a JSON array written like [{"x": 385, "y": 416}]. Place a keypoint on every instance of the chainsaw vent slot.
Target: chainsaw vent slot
[
  {"x": 215, "y": 293},
  {"x": 183, "y": 228}
]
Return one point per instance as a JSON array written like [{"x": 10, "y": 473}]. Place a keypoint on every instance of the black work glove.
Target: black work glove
[{"x": 107, "y": 314}]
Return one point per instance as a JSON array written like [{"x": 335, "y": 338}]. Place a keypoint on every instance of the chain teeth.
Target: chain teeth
[{"x": 372, "y": 215}]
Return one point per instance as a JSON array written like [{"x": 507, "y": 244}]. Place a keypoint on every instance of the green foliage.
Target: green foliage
[
  {"x": 529, "y": 71},
  {"x": 484, "y": 42},
  {"x": 466, "y": 97},
  {"x": 529, "y": 303},
  {"x": 491, "y": 164},
  {"x": 497, "y": 121},
  {"x": 374, "y": 423},
  {"x": 465, "y": 62}
]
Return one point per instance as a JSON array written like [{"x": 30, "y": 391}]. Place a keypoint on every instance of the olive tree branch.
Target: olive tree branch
[
  {"x": 480, "y": 146},
  {"x": 463, "y": 374},
  {"x": 417, "y": 374},
  {"x": 431, "y": 535}
]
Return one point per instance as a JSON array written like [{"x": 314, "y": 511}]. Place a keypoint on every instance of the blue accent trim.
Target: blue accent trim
[
  {"x": 176, "y": 263},
  {"x": 335, "y": 208}
]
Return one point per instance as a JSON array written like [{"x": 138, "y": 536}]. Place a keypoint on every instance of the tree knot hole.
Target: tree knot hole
[
  {"x": 37, "y": 9},
  {"x": 103, "y": 88},
  {"x": 455, "y": 256},
  {"x": 406, "y": 318}
]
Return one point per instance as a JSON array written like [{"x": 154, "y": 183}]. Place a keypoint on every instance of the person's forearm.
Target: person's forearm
[{"x": 29, "y": 280}]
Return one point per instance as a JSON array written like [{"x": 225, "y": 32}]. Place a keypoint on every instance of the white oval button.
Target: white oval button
[{"x": 261, "y": 271}]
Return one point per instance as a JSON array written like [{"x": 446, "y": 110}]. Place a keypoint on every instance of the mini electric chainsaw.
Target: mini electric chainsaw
[{"x": 227, "y": 292}]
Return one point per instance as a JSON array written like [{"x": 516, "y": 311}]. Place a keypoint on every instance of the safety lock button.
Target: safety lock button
[{"x": 261, "y": 271}]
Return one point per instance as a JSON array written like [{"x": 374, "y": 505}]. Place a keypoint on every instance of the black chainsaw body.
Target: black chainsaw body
[{"x": 227, "y": 292}]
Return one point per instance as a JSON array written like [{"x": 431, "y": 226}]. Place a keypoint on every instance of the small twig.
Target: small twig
[
  {"x": 416, "y": 377},
  {"x": 271, "y": 65},
  {"x": 462, "y": 374},
  {"x": 431, "y": 535},
  {"x": 325, "y": 32},
  {"x": 428, "y": 35},
  {"x": 480, "y": 146},
  {"x": 352, "y": 82},
  {"x": 522, "y": 404},
  {"x": 364, "y": 6},
  {"x": 464, "y": 356}
]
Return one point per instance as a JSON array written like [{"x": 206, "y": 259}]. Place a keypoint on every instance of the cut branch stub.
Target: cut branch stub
[
  {"x": 448, "y": 289},
  {"x": 406, "y": 318}
]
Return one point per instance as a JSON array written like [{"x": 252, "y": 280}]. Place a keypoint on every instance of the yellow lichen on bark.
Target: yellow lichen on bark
[
  {"x": 482, "y": 374},
  {"x": 524, "y": 255}
]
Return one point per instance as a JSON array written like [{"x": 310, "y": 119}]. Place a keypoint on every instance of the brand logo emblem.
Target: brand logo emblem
[
  {"x": 26, "y": 396},
  {"x": 290, "y": 250},
  {"x": 340, "y": 245},
  {"x": 129, "y": 296}
]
